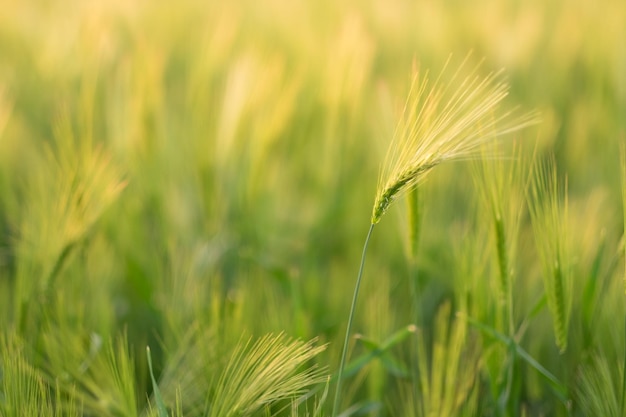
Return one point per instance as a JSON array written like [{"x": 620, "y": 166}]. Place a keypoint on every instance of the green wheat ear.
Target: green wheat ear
[
  {"x": 548, "y": 210},
  {"x": 440, "y": 122}
]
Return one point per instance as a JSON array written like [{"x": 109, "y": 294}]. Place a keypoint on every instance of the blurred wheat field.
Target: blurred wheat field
[{"x": 198, "y": 177}]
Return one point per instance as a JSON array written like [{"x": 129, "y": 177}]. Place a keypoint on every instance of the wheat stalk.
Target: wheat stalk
[
  {"x": 622, "y": 153},
  {"x": 440, "y": 122}
]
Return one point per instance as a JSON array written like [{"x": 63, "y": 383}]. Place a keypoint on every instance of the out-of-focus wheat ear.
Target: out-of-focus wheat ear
[
  {"x": 548, "y": 210},
  {"x": 561, "y": 306},
  {"x": 493, "y": 182},
  {"x": 503, "y": 259},
  {"x": 262, "y": 374},
  {"x": 502, "y": 181},
  {"x": 595, "y": 390},
  {"x": 446, "y": 381}
]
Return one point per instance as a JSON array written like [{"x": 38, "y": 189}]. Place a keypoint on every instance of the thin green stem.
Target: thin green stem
[
  {"x": 621, "y": 402},
  {"x": 414, "y": 220},
  {"x": 507, "y": 309},
  {"x": 414, "y": 217},
  {"x": 349, "y": 328},
  {"x": 623, "y": 166}
]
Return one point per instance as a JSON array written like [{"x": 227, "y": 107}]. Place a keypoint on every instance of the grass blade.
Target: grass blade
[{"x": 158, "y": 399}]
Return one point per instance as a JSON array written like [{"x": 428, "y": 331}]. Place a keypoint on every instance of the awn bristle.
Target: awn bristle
[{"x": 442, "y": 122}]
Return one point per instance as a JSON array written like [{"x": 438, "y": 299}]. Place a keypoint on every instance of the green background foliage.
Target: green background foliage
[{"x": 195, "y": 176}]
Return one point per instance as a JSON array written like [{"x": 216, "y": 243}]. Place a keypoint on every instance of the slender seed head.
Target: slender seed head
[
  {"x": 548, "y": 209},
  {"x": 442, "y": 122}
]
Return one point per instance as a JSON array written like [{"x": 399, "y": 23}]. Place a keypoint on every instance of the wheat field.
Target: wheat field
[{"x": 186, "y": 188}]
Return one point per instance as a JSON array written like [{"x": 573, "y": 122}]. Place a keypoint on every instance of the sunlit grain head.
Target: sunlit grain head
[{"x": 442, "y": 121}]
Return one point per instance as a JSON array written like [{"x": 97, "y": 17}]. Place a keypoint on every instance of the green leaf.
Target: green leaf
[
  {"x": 378, "y": 349},
  {"x": 158, "y": 399},
  {"x": 560, "y": 389}
]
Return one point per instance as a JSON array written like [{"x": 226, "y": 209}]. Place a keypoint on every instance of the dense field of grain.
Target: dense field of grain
[{"x": 199, "y": 177}]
